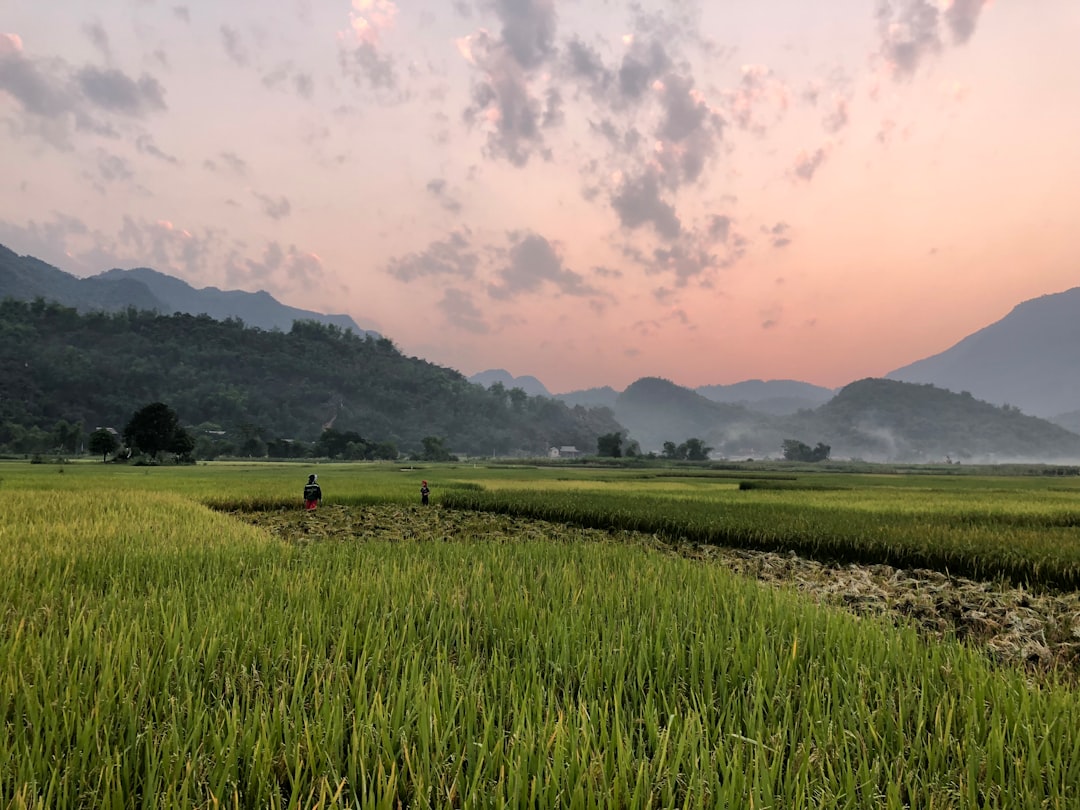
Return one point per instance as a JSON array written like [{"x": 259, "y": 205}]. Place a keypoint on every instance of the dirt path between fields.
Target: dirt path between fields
[{"x": 1038, "y": 631}]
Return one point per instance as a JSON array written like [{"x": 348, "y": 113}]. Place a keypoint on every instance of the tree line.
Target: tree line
[{"x": 243, "y": 391}]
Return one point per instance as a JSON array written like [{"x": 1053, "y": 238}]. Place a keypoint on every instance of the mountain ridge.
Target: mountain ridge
[
  {"x": 25, "y": 278},
  {"x": 1027, "y": 359}
]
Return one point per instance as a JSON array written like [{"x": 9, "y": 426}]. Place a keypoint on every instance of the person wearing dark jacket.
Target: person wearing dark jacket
[
  {"x": 424, "y": 493},
  {"x": 312, "y": 492}
]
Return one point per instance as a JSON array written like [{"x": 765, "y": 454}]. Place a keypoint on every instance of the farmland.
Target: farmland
[{"x": 539, "y": 637}]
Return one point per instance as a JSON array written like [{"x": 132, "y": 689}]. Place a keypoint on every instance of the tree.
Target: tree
[
  {"x": 434, "y": 450},
  {"x": 181, "y": 446},
  {"x": 794, "y": 450},
  {"x": 696, "y": 450},
  {"x": 690, "y": 450},
  {"x": 66, "y": 436},
  {"x": 518, "y": 398},
  {"x": 152, "y": 428},
  {"x": 103, "y": 441},
  {"x": 609, "y": 445}
]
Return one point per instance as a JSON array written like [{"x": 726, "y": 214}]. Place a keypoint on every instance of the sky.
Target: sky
[{"x": 586, "y": 191}]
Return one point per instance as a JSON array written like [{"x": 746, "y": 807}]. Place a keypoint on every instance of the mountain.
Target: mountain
[
  {"x": 25, "y": 278},
  {"x": 258, "y": 309},
  {"x": 776, "y": 397},
  {"x": 604, "y": 397},
  {"x": 873, "y": 420},
  {"x": 530, "y": 385},
  {"x": 1070, "y": 421},
  {"x": 59, "y": 367},
  {"x": 655, "y": 410},
  {"x": 1029, "y": 359},
  {"x": 889, "y": 420}
]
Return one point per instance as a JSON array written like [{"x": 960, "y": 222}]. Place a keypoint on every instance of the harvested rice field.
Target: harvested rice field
[{"x": 1038, "y": 631}]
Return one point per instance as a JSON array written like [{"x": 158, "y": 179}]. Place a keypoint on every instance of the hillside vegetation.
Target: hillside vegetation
[
  {"x": 57, "y": 365},
  {"x": 879, "y": 418},
  {"x": 872, "y": 419}
]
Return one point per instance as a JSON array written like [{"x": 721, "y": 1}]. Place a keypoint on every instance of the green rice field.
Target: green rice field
[{"x": 188, "y": 637}]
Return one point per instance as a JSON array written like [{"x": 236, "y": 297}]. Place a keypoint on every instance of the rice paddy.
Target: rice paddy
[{"x": 191, "y": 638}]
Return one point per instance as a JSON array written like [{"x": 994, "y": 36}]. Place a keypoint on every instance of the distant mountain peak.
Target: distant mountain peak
[
  {"x": 530, "y": 385},
  {"x": 25, "y": 278},
  {"x": 1028, "y": 359}
]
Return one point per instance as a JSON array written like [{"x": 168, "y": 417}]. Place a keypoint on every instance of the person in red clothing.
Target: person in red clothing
[
  {"x": 424, "y": 493},
  {"x": 312, "y": 492}
]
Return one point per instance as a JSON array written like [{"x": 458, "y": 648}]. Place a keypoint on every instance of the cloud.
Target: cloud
[
  {"x": 838, "y": 115},
  {"x": 607, "y": 272},
  {"x": 759, "y": 101},
  {"x": 528, "y": 30},
  {"x": 453, "y": 256},
  {"x": 461, "y": 311},
  {"x": 642, "y": 64},
  {"x": 504, "y": 99},
  {"x": 113, "y": 168},
  {"x": 114, "y": 91},
  {"x": 807, "y": 163},
  {"x": 278, "y": 270},
  {"x": 234, "y": 48},
  {"x": 909, "y": 34},
  {"x": 778, "y": 234},
  {"x": 962, "y": 16},
  {"x": 182, "y": 13},
  {"x": 365, "y": 65},
  {"x": 98, "y": 38},
  {"x": 302, "y": 83},
  {"x": 637, "y": 202},
  {"x": 533, "y": 263},
  {"x": 584, "y": 64},
  {"x": 719, "y": 228},
  {"x": 234, "y": 162},
  {"x": 166, "y": 247},
  {"x": 686, "y": 260},
  {"x": 689, "y": 131},
  {"x": 360, "y": 44},
  {"x": 145, "y": 145},
  {"x": 231, "y": 162},
  {"x": 276, "y": 209},
  {"x": 437, "y": 189},
  {"x": 33, "y": 83},
  {"x": 369, "y": 19},
  {"x": 50, "y": 241},
  {"x": 54, "y": 99}
]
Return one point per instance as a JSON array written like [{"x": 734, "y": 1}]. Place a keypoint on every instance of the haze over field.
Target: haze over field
[{"x": 586, "y": 192}]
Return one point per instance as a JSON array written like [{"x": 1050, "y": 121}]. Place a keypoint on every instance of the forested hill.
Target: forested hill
[
  {"x": 98, "y": 368},
  {"x": 887, "y": 419}
]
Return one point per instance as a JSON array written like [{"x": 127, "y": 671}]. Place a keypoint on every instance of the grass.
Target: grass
[{"x": 155, "y": 652}]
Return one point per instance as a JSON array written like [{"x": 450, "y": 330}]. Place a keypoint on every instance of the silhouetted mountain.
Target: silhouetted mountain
[
  {"x": 874, "y": 420},
  {"x": 1069, "y": 421},
  {"x": 604, "y": 397},
  {"x": 258, "y": 309},
  {"x": 776, "y": 397},
  {"x": 25, "y": 278},
  {"x": 655, "y": 411},
  {"x": 888, "y": 420},
  {"x": 1030, "y": 359},
  {"x": 530, "y": 385}
]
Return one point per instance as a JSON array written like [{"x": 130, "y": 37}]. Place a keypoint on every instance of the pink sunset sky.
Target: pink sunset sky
[{"x": 588, "y": 191}]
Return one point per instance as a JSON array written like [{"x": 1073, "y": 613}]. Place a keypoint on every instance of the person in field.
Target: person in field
[
  {"x": 424, "y": 493},
  {"x": 312, "y": 492}
]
